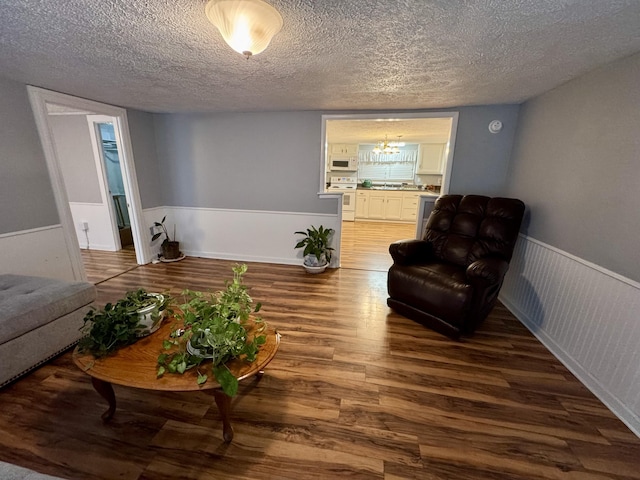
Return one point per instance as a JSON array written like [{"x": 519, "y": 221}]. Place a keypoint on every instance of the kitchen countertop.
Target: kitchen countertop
[{"x": 399, "y": 189}]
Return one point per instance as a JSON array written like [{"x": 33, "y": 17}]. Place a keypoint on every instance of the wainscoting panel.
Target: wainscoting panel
[
  {"x": 244, "y": 235},
  {"x": 100, "y": 234},
  {"x": 39, "y": 251},
  {"x": 586, "y": 315}
]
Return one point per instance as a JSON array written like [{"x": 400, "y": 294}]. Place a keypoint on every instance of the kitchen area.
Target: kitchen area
[{"x": 384, "y": 180}]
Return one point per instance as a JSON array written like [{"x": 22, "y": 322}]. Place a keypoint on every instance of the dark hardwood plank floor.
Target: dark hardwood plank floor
[{"x": 355, "y": 391}]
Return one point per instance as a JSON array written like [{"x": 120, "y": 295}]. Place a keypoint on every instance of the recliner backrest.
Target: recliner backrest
[{"x": 463, "y": 229}]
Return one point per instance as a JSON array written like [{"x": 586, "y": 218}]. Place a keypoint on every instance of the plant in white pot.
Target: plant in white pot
[{"x": 317, "y": 252}]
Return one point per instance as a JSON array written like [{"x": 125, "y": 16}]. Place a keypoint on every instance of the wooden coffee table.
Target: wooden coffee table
[{"x": 136, "y": 366}]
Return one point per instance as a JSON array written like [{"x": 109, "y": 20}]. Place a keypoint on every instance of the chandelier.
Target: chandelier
[
  {"x": 246, "y": 25},
  {"x": 387, "y": 147}
]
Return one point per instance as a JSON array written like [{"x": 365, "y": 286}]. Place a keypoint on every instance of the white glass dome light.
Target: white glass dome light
[{"x": 246, "y": 25}]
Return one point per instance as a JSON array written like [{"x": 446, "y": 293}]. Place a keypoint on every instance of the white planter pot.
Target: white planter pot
[
  {"x": 312, "y": 269},
  {"x": 150, "y": 317}
]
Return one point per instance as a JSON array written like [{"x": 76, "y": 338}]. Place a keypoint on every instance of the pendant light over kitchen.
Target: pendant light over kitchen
[
  {"x": 388, "y": 147},
  {"x": 246, "y": 25}
]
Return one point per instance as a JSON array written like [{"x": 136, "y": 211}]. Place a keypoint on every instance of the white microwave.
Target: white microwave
[{"x": 343, "y": 163}]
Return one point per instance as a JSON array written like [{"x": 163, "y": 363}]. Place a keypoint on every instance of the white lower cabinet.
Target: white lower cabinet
[
  {"x": 376, "y": 205},
  {"x": 410, "y": 205},
  {"x": 387, "y": 205},
  {"x": 362, "y": 204}
]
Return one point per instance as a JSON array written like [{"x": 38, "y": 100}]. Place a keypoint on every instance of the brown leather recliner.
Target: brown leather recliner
[{"x": 450, "y": 280}]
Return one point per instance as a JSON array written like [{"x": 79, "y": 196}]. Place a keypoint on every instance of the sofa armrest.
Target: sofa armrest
[
  {"x": 487, "y": 271},
  {"x": 406, "y": 252}
]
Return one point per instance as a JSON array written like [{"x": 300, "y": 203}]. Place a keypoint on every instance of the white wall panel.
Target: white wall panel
[
  {"x": 40, "y": 252},
  {"x": 244, "y": 235},
  {"x": 100, "y": 231},
  {"x": 586, "y": 315}
]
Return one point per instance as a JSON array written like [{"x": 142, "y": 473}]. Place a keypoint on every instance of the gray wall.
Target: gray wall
[
  {"x": 254, "y": 161},
  {"x": 481, "y": 158},
  {"x": 576, "y": 164},
  {"x": 143, "y": 142},
  {"x": 75, "y": 154},
  {"x": 26, "y": 195},
  {"x": 271, "y": 160}
]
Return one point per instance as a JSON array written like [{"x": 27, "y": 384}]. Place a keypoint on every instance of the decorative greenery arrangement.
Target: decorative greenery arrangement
[
  {"x": 316, "y": 244},
  {"x": 118, "y": 324},
  {"x": 213, "y": 326}
]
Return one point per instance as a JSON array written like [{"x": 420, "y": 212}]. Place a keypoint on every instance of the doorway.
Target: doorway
[
  {"x": 418, "y": 165},
  {"x": 44, "y": 101}
]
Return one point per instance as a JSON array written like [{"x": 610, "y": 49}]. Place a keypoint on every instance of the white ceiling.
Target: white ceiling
[
  {"x": 164, "y": 55},
  {"x": 372, "y": 131}
]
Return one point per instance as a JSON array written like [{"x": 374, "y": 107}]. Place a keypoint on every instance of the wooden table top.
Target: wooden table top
[{"x": 136, "y": 365}]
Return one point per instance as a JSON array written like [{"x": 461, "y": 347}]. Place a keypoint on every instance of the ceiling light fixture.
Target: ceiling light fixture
[
  {"x": 388, "y": 147},
  {"x": 246, "y": 25}
]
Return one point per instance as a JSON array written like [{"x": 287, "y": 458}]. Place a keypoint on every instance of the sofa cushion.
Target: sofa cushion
[{"x": 27, "y": 303}]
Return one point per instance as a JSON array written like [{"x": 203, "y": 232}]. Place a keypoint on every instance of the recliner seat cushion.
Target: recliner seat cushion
[{"x": 438, "y": 288}]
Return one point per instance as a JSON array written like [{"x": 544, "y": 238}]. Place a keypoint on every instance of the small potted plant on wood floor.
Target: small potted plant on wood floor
[
  {"x": 317, "y": 252},
  {"x": 170, "y": 248},
  {"x": 121, "y": 323}
]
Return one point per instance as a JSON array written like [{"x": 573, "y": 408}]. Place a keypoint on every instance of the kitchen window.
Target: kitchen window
[{"x": 389, "y": 167}]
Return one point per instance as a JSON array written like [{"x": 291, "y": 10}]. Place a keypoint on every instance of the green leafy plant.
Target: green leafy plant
[
  {"x": 213, "y": 327},
  {"x": 118, "y": 324},
  {"x": 316, "y": 244},
  {"x": 164, "y": 231}
]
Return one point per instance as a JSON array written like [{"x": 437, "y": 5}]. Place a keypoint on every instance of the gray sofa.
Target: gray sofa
[{"x": 39, "y": 318}]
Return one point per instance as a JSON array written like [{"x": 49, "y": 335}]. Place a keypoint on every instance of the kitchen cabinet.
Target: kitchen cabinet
[
  {"x": 362, "y": 204},
  {"x": 410, "y": 205},
  {"x": 344, "y": 149},
  {"x": 430, "y": 158},
  {"x": 392, "y": 205},
  {"x": 377, "y": 202}
]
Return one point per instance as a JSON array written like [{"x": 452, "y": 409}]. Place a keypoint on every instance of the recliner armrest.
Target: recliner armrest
[
  {"x": 487, "y": 270},
  {"x": 406, "y": 252}
]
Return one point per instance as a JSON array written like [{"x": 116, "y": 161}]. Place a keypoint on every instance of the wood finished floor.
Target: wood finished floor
[
  {"x": 365, "y": 245},
  {"x": 355, "y": 391}
]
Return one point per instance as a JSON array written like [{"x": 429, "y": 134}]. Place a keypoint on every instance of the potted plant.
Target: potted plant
[
  {"x": 217, "y": 327},
  {"x": 121, "y": 323},
  {"x": 170, "y": 248},
  {"x": 317, "y": 252}
]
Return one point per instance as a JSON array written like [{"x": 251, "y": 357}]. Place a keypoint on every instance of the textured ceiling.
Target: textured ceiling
[{"x": 164, "y": 55}]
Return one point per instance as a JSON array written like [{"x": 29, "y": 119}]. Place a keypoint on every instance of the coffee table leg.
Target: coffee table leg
[
  {"x": 223, "y": 401},
  {"x": 106, "y": 391}
]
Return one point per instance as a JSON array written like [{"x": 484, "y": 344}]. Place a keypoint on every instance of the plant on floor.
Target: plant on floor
[
  {"x": 123, "y": 322},
  {"x": 170, "y": 248},
  {"x": 214, "y": 327},
  {"x": 317, "y": 252}
]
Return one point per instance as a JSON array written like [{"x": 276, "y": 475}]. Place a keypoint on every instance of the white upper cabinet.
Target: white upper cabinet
[
  {"x": 345, "y": 149},
  {"x": 430, "y": 159}
]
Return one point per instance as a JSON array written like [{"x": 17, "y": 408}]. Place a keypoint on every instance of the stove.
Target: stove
[
  {"x": 343, "y": 183},
  {"x": 347, "y": 186}
]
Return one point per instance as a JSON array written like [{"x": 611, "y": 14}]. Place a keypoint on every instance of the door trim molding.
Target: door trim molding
[{"x": 39, "y": 98}]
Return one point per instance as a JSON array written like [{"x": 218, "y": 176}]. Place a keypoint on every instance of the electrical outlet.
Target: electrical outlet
[{"x": 84, "y": 226}]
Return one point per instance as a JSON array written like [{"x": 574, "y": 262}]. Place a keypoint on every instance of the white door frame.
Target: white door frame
[
  {"x": 103, "y": 181},
  {"x": 39, "y": 98}
]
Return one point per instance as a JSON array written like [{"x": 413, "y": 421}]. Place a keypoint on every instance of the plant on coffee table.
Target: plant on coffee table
[
  {"x": 214, "y": 326},
  {"x": 123, "y": 322}
]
